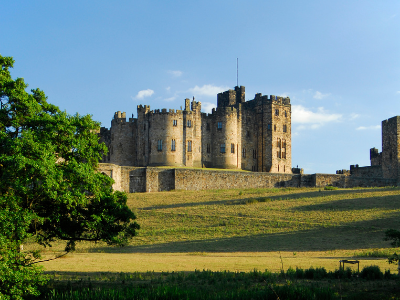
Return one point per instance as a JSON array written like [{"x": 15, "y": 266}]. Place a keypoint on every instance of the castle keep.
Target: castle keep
[{"x": 250, "y": 135}]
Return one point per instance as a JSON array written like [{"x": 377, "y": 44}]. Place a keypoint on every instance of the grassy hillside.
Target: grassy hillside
[
  {"x": 264, "y": 220},
  {"x": 240, "y": 230}
]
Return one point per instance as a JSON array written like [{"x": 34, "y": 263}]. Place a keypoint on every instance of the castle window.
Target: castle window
[
  {"x": 232, "y": 148},
  {"x": 222, "y": 148},
  {"x": 284, "y": 169},
  {"x": 244, "y": 152},
  {"x": 149, "y": 147},
  {"x": 219, "y": 125},
  {"x": 248, "y": 133},
  {"x": 144, "y": 126},
  {"x": 276, "y": 112},
  {"x": 254, "y": 153},
  {"x": 208, "y": 148},
  {"x": 284, "y": 128},
  {"x": 173, "y": 145},
  {"x": 278, "y": 143},
  {"x": 284, "y": 144},
  {"x": 159, "y": 145},
  {"x": 278, "y": 154},
  {"x": 175, "y": 122},
  {"x": 189, "y": 146},
  {"x": 189, "y": 123},
  {"x": 274, "y": 127},
  {"x": 285, "y": 113},
  {"x": 269, "y": 127},
  {"x": 278, "y": 168},
  {"x": 284, "y": 155},
  {"x": 208, "y": 126}
]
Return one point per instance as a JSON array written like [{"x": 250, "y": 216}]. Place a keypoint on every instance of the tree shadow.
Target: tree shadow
[
  {"x": 386, "y": 202},
  {"x": 350, "y": 236},
  {"x": 269, "y": 197}
]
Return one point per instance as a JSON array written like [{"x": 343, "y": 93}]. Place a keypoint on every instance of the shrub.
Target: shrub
[
  {"x": 330, "y": 188},
  {"x": 299, "y": 273},
  {"x": 342, "y": 274},
  {"x": 371, "y": 273}
]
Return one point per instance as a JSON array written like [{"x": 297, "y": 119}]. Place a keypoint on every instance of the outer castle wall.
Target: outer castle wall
[{"x": 150, "y": 179}]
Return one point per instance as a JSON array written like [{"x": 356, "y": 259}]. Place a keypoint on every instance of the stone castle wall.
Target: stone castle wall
[{"x": 150, "y": 179}]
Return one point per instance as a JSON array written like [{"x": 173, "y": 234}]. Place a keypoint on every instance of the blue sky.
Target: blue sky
[{"x": 338, "y": 61}]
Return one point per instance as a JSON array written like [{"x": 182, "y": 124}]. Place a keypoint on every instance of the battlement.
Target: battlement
[
  {"x": 392, "y": 120},
  {"x": 120, "y": 118},
  {"x": 272, "y": 98},
  {"x": 231, "y": 97}
]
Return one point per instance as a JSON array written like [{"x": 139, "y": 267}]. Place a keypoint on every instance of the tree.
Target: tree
[
  {"x": 394, "y": 236},
  {"x": 50, "y": 189}
]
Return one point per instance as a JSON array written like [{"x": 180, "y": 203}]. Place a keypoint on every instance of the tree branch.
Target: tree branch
[{"x": 39, "y": 261}]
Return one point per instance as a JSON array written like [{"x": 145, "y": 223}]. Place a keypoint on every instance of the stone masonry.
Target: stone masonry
[
  {"x": 250, "y": 135},
  {"x": 385, "y": 164}
]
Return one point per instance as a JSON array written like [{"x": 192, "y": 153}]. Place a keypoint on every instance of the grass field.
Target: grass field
[{"x": 242, "y": 230}]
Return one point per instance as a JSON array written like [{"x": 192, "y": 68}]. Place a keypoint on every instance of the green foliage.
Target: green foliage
[
  {"x": 49, "y": 188},
  {"x": 371, "y": 273},
  {"x": 330, "y": 188},
  {"x": 393, "y": 236}
]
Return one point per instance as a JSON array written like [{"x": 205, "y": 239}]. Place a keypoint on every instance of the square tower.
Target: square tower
[{"x": 390, "y": 147}]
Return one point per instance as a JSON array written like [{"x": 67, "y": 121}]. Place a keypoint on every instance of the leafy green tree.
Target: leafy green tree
[
  {"x": 49, "y": 187},
  {"x": 393, "y": 236}
]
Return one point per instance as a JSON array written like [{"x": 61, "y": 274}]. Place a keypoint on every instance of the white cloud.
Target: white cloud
[
  {"x": 208, "y": 90},
  {"x": 369, "y": 127},
  {"x": 168, "y": 88},
  {"x": 302, "y": 115},
  {"x": 144, "y": 93},
  {"x": 175, "y": 73},
  {"x": 170, "y": 99},
  {"x": 354, "y": 116},
  {"x": 319, "y": 95},
  {"x": 398, "y": 92},
  {"x": 207, "y": 107}
]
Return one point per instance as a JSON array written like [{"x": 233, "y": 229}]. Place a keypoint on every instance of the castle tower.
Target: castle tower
[
  {"x": 280, "y": 135},
  {"x": 224, "y": 138},
  {"x": 122, "y": 144},
  {"x": 390, "y": 147},
  {"x": 142, "y": 134}
]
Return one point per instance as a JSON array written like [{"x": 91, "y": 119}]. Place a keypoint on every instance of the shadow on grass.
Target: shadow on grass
[
  {"x": 356, "y": 235},
  {"x": 270, "y": 197},
  {"x": 387, "y": 202}
]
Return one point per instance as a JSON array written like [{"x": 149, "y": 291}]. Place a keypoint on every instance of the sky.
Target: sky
[{"x": 338, "y": 61}]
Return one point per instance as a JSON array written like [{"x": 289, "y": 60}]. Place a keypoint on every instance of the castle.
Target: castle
[
  {"x": 385, "y": 164},
  {"x": 250, "y": 135}
]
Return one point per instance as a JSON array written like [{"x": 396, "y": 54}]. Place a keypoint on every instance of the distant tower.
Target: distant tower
[{"x": 390, "y": 147}]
